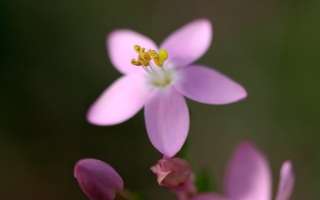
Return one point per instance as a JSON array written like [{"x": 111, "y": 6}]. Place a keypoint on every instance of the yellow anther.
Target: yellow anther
[
  {"x": 136, "y": 62},
  {"x": 144, "y": 57},
  {"x": 159, "y": 57},
  {"x": 153, "y": 53},
  {"x": 136, "y": 48},
  {"x": 163, "y": 55}
]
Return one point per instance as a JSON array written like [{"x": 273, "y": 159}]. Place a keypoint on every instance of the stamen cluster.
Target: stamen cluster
[{"x": 145, "y": 57}]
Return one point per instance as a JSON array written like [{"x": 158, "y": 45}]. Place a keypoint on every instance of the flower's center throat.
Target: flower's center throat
[{"x": 154, "y": 62}]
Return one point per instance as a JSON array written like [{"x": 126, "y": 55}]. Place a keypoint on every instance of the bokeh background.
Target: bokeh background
[{"x": 54, "y": 65}]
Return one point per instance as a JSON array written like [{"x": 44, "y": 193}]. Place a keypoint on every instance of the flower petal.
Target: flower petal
[
  {"x": 120, "y": 47},
  {"x": 286, "y": 181},
  {"x": 167, "y": 121},
  {"x": 122, "y": 100},
  {"x": 208, "y": 196},
  {"x": 248, "y": 175},
  {"x": 98, "y": 180},
  {"x": 209, "y": 86},
  {"x": 189, "y": 43}
]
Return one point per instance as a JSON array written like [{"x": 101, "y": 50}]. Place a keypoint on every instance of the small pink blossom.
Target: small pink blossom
[
  {"x": 161, "y": 90},
  {"x": 248, "y": 177},
  {"x": 97, "y": 179}
]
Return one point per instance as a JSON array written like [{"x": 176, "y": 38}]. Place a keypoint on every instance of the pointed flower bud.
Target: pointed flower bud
[{"x": 97, "y": 179}]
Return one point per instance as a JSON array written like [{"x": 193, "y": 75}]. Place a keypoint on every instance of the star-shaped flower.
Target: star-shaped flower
[{"x": 158, "y": 79}]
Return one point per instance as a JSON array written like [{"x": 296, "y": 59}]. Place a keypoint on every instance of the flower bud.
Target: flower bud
[
  {"x": 97, "y": 179},
  {"x": 172, "y": 172}
]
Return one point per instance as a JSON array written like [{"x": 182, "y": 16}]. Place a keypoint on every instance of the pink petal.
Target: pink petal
[
  {"x": 209, "y": 86},
  {"x": 189, "y": 43},
  {"x": 98, "y": 180},
  {"x": 248, "y": 175},
  {"x": 286, "y": 181},
  {"x": 208, "y": 196},
  {"x": 167, "y": 121},
  {"x": 120, "y": 47},
  {"x": 122, "y": 100}
]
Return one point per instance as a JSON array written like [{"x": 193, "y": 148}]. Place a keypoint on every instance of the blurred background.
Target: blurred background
[{"x": 54, "y": 65}]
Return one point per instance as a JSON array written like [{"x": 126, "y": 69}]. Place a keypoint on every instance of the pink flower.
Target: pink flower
[
  {"x": 248, "y": 177},
  {"x": 160, "y": 80},
  {"x": 98, "y": 180}
]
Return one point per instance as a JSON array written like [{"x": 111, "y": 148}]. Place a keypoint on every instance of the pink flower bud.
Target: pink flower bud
[
  {"x": 97, "y": 179},
  {"x": 172, "y": 172}
]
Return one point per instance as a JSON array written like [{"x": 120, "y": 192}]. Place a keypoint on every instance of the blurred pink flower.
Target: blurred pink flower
[
  {"x": 161, "y": 82},
  {"x": 248, "y": 177},
  {"x": 98, "y": 180}
]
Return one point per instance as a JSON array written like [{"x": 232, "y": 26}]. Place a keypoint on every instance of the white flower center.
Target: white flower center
[
  {"x": 161, "y": 77},
  {"x": 159, "y": 72}
]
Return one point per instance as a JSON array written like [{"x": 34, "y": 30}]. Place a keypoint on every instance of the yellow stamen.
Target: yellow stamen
[
  {"x": 163, "y": 55},
  {"x": 144, "y": 57}
]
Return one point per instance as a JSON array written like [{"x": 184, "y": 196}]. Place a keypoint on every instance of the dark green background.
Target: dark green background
[{"x": 54, "y": 65}]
